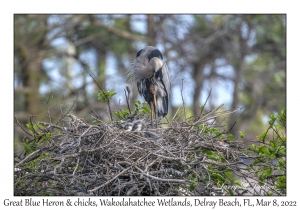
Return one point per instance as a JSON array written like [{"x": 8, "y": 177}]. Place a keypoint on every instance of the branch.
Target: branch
[
  {"x": 123, "y": 34},
  {"x": 108, "y": 101}
]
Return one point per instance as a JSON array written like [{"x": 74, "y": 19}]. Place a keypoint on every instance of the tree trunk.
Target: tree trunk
[
  {"x": 101, "y": 64},
  {"x": 151, "y": 30},
  {"x": 32, "y": 99},
  {"x": 31, "y": 46},
  {"x": 198, "y": 79}
]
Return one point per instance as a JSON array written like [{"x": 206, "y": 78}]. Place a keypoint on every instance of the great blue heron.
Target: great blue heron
[
  {"x": 139, "y": 126},
  {"x": 128, "y": 126},
  {"x": 153, "y": 80}
]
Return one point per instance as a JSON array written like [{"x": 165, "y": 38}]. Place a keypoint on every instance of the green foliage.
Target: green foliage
[
  {"x": 141, "y": 108},
  {"x": 215, "y": 156},
  {"x": 54, "y": 163},
  {"x": 103, "y": 96},
  {"x": 211, "y": 131},
  {"x": 33, "y": 127},
  {"x": 230, "y": 137},
  {"x": 271, "y": 152},
  {"x": 242, "y": 135},
  {"x": 95, "y": 122},
  {"x": 121, "y": 115},
  {"x": 193, "y": 182},
  {"x": 40, "y": 136},
  {"x": 29, "y": 147},
  {"x": 33, "y": 164},
  {"x": 45, "y": 193}
]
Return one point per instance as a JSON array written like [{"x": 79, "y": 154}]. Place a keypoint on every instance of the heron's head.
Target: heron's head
[
  {"x": 138, "y": 125},
  {"x": 147, "y": 62},
  {"x": 128, "y": 126}
]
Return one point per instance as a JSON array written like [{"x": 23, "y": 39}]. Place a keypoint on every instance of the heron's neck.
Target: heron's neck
[
  {"x": 142, "y": 72},
  {"x": 155, "y": 63}
]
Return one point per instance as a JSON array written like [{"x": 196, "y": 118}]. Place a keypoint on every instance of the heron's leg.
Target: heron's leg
[
  {"x": 152, "y": 112},
  {"x": 155, "y": 109},
  {"x": 152, "y": 90}
]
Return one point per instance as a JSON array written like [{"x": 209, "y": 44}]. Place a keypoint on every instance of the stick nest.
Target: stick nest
[{"x": 106, "y": 160}]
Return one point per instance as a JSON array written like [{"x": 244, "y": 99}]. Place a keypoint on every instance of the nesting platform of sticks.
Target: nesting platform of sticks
[{"x": 107, "y": 160}]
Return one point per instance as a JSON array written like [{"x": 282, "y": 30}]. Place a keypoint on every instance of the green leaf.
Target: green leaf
[
  {"x": 272, "y": 144},
  {"x": 212, "y": 157},
  {"x": 263, "y": 137},
  {"x": 230, "y": 137},
  {"x": 54, "y": 163},
  {"x": 255, "y": 162},
  {"x": 272, "y": 117},
  {"x": 229, "y": 175},
  {"x": 196, "y": 148},
  {"x": 264, "y": 150},
  {"x": 95, "y": 122},
  {"x": 272, "y": 156},
  {"x": 104, "y": 95},
  {"x": 146, "y": 109},
  {"x": 269, "y": 171},
  {"x": 253, "y": 146},
  {"x": 192, "y": 187},
  {"x": 218, "y": 177},
  {"x": 242, "y": 135},
  {"x": 208, "y": 152},
  {"x": 283, "y": 113},
  {"x": 237, "y": 182},
  {"x": 41, "y": 126}
]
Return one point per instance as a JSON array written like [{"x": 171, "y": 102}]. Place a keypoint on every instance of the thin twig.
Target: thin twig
[
  {"x": 22, "y": 126},
  {"x": 205, "y": 102},
  {"x": 106, "y": 183},
  {"x": 183, "y": 104},
  {"x": 107, "y": 98}
]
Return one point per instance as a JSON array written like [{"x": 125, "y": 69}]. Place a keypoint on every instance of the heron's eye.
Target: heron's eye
[
  {"x": 155, "y": 53},
  {"x": 139, "y": 52}
]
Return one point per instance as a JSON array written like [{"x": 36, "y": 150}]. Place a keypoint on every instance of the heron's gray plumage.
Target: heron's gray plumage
[
  {"x": 139, "y": 126},
  {"x": 128, "y": 126},
  {"x": 149, "y": 69}
]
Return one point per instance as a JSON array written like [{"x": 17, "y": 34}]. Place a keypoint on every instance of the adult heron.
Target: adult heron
[{"x": 153, "y": 80}]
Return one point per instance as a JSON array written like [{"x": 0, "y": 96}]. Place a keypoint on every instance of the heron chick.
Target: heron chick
[
  {"x": 139, "y": 126},
  {"x": 128, "y": 126},
  {"x": 153, "y": 80}
]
